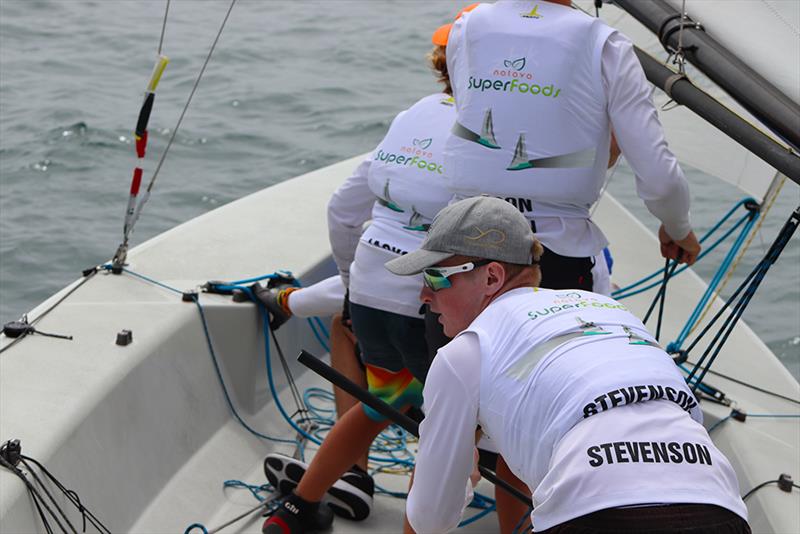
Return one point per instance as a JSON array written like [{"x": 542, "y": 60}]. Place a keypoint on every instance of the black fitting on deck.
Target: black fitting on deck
[
  {"x": 213, "y": 286},
  {"x": 739, "y": 415},
  {"x": 785, "y": 482},
  {"x": 124, "y": 337},
  {"x": 15, "y": 329},
  {"x": 11, "y": 452}
]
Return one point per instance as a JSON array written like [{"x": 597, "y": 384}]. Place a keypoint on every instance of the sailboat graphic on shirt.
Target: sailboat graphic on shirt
[
  {"x": 486, "y": 137},
  {"x": 487, "y": 132},
  {"x": 520, "y": 160},
  {"x": 415, "y": 222},
  {"x": 386, "y": 201}
]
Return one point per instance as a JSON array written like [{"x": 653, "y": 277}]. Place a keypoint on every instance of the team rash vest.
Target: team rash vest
[
  {"x": 405, "y": 175},
  {"x": 582, "y": 404},
  {"x": 538, "y": 87}
]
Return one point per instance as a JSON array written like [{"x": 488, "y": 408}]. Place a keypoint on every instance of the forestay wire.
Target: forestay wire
[
  {"x": 133, "y": 216},
  {"x": 183, "y": 113},
  {"x": 163, "y": 29}
]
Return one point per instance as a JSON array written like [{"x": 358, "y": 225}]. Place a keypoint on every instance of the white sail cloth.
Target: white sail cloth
[{"x": 692, "y": 139}]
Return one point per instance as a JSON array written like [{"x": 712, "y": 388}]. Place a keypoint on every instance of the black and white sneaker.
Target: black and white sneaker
[
  {"x": 349, "y": 497},
  {"x": 296, "y": 516}
]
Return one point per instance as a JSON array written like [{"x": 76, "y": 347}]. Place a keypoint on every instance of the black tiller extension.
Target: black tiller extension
[{"x": 409, "y": 425}]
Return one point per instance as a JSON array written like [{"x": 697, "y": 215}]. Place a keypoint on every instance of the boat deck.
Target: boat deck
[{"x": 144, "y": 435}]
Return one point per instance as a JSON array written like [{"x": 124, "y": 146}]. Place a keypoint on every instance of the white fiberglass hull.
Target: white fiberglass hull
[{"x": 144, "y": 435}]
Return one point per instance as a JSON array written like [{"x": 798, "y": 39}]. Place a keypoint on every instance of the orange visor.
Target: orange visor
[{"x": 441, "y": 34}]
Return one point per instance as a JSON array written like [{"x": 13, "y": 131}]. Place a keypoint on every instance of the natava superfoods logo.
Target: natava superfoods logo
[
  {"x": 514, "y": 74},
  {"x": 565, "y": 301},
  {"x": 414, "y": 154}
]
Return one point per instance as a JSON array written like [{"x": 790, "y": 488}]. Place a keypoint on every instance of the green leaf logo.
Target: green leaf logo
[
  {"x": 517, "y": 64},
  {"x": 423, "y": 143}
]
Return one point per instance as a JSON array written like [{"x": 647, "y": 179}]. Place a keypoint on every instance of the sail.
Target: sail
[
  {"x": 764, "y": 34},
  {"x": 695, "y": 142}
]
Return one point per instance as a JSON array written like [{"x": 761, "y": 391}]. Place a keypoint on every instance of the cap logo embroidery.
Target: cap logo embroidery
[{"x": 498, "y": 237}]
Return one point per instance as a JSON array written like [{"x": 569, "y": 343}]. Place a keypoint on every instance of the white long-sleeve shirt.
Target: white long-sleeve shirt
[
  {"x": 590, "y": 421},
  {"x": 539, "y": 87},
  {"x": 349, "y": 209},
  {"x": 659, "y": 179},
  {"x": 399, "y": 187}
]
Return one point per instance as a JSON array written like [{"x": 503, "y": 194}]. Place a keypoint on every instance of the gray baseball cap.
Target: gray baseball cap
[{"x": 481, "y": 227}]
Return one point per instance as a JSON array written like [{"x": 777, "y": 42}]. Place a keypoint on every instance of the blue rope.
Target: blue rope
[
  {"x": 254, "y": 489},
  {"x": 705, "y": 236},
  {"x": 793, "y": 415},
  {"x": 749, "y": 285},
  {"x": 276, "y": 274},
  {"x": 776, "y": 415},
  {"x": 704, "y": 388},
  {"x": 321, "y": 325},
  {"x": 222, "y": 381},
  {"x": 518, "y": 528},
  {"x": 617, "y": 294},
  {"x": 271, "y": 381},
  {"x": 317, "y": 335},
  {"x": 479, "y": 515},
  {"x": 213, "y": 354},
  {"x": 107, "y": 267},
  {"x": 718, "y": 423},
  {"x": 675, "y": 346},
  {"x": 313, "y": 322},
  {"x": 385, "y": 443}
]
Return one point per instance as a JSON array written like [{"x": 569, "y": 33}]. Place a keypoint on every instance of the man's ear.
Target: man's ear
[{"x": 495, "y": 277}]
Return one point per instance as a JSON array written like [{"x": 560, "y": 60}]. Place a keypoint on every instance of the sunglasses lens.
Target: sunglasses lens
[{"x": 434, "y": 280}]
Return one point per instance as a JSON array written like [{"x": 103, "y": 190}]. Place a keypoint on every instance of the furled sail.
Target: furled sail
[
  {"x": 694, "y": 141},
  {"x": 763, "y": 34}
]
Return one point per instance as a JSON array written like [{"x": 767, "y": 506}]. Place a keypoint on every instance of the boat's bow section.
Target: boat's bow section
[{"x": 115, "y": 423}]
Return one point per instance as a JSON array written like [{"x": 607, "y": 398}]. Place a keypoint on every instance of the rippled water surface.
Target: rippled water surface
[{"x": 293, "y": 86}]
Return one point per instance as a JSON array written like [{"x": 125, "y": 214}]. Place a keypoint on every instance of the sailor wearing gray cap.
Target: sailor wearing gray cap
[{"x": 583, "y": 405}]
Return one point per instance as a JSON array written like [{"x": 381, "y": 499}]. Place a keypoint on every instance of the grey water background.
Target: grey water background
[{"x": 293, "y": 86}]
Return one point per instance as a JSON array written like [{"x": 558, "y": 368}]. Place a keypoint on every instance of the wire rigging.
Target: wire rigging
[
  {"x": 163, "y": 28},
  {"x": 747, "y": 288},
  {"x": 134, "y": 208}
]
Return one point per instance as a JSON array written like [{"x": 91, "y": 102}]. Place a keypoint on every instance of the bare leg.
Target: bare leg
[
  {"x": 509, "y": 509},
  {"x": 348, "y": 440},
  {"x": 344, "y": 360},
  {"x": 407, "y": 529}
]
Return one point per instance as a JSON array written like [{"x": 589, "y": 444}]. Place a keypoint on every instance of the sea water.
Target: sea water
[{"x": 292, "y": 86}]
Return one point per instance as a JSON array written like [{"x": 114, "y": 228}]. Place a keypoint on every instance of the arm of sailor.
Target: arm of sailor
[
  {"x": 349, "y": 208},
  {"x": 442, "y": 488},
  {"x": 660, "y": 182}
]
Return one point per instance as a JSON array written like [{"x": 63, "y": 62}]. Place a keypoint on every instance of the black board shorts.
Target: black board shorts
[
  {"x": 662, "y": 519},
  {"x": 565, "y": 272}
]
